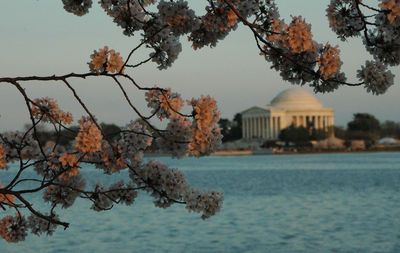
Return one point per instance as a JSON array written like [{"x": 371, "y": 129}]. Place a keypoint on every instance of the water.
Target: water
[{"x": 276, "y": 203}]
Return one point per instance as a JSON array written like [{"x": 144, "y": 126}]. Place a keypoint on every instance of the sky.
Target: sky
[{"x": 40, "y": 38}]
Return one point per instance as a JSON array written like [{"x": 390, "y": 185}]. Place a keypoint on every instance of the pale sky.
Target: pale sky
[{"x": 40, "y": 38}]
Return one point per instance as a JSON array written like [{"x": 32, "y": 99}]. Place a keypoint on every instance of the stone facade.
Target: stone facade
[{"x": 293, "y": 106}]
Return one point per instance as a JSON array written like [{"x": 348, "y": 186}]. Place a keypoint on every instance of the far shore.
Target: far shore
[
  {"x": 249, "y": 152},
  {"x": 288, "y": 152}
]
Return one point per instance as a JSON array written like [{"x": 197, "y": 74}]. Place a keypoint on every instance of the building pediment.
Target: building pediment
[{"x": 255, "y": 110}]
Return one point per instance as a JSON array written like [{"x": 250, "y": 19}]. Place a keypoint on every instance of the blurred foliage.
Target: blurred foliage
[{"x": 231, "y": 130}]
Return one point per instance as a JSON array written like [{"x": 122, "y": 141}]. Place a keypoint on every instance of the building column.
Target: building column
[
  {"x": 268, "y": 127},
  {"x": 279, "y": 127},
  {"x": 253, "y": 129},
  {"x": 246, "y": 125},
  {"x": 264, "y": 127},
  {"x": 250, "y": 128},
  {"x": 276, "y": 127},
  {"x": 272, "y": 127},
  {"x": 243, "y": 128},
  {"x": 247, "y": 128}
]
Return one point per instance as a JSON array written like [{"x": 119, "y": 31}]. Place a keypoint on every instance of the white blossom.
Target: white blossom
[
  {"x": 377, "y": 79},
  {"x": 176, "y": 140},
  {"x": 127, "y": 14},
  {"x": 178, "y": 16},
  {"x": 63, "y": 193},
  {"x": 384, "y": 41},
  {"x": 344, "y": 18},
  {"x": 39, "y": 225},
  {"x": 15, "y": 142},
  {"x": 206, "y": 202},
  {"x": 77, "y": 7},
  {"x": 164, "y": 184}
]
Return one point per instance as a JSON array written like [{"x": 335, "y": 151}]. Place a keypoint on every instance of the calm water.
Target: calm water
[{"x": 276, "y": 203}]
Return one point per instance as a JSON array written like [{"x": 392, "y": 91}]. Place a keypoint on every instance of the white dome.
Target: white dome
[{"x": 296, "y": 99}]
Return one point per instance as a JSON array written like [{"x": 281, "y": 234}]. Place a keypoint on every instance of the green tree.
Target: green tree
[
  {"x": 390, "y": 128},
  {"x": 231, "y": 130},
  {"x": 318, "y": 134},
  {"x": 364, "y": 126},
  {"x": 300, "y": 136},
  {"x": 340, "y": 132}
]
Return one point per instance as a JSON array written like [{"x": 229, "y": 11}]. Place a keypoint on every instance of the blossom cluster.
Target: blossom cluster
[
  {"x": 162, "y": 29},
  {"x": 19, "y": 145},
  {"x": 104, "y": 197},
  {"x": 176, "y": 141},
  {"x": 199, "y": 136},
  {"x": 116, "y": 155},
  {"x": 376, "y": 77},
  {"x": 129, "y": 15},
  {"x": 64, "y": 191},
  {"x": 39, "y": 225},
  {"x": 206, "y": 137},
  {"x": 70, "y": 163},
  {"x": 77, "y": 7},
  {"x": 178, "y": 16},
  {"x": 297, "y": 36},
  {"x": 207, "y": 202},
  {"x": 164, "y": 184},
  {"x": 134, "y": 139},
  {"x": 14, "y": 228},
  {"x": 47, "y": 110},
  {"x": 219, "y": 19},
  {"x": 107, "y": 159},
  {"x": 384, "y": 41},
  {"x": 164, "y": 103},
  {"x": 106, "y": 61},
  {"x": 344, "y": 18},
  {"x": 295, "y": 55},
  {"x": 169, "y": 185},
  {"x": 329, "y": 61},
  {"x": 89, "y": 137},
  {"x": 167, "y": 49}
]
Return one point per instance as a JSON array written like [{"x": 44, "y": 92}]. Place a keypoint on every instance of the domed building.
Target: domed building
[{"x": 293, "y": 106}]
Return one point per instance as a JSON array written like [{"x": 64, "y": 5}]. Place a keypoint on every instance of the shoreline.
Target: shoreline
[
  {"x": 249, "y": 152},
  {"x": 270, "y": 152}
]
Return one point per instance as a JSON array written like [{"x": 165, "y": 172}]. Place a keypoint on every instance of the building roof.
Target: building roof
[{"x": 296, "y": 99}]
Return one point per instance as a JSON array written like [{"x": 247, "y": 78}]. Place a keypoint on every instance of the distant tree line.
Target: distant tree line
[
  {"x": 364, "y": 126},
  {"x": 66, "y": 136}
]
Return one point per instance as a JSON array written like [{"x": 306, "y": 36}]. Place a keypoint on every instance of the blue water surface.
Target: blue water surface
[{"x": 274, "y": 203}]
